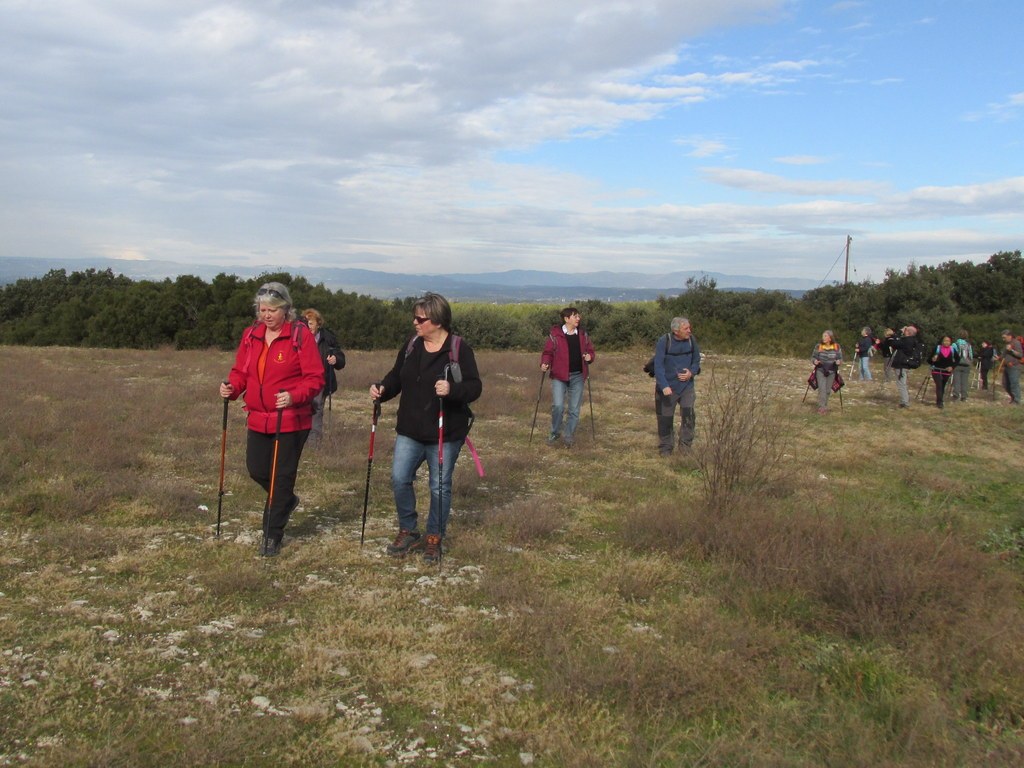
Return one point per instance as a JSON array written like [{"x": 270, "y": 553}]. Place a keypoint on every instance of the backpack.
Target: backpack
[
  {"x": 298, "y": 335},
  {"x": 966, "y": 351},
  {"x": 453, "y": 368},
  {"x": 912, "y": 359},
  {"x": 453, "y": 356},
  {"x": 456, "y": 372},
  {"x": 649, "y": 366}
]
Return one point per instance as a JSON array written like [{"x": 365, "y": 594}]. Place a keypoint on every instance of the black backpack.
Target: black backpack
[
  {"x": 909, "y": 360},
  {"x": 649, "y": 366}
]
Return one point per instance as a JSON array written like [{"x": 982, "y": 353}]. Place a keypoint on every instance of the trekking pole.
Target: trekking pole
[
  {"x": 440, "y": 473},
  {"x": 922, "y": 388},
  {"x": 369, "y": 466},
  {"x": 852, "y": 364},
  {"x": 840, "y": 393},
  {"x": 223, "y": 449},
  {"x": 590, "y": 397},
  {"x": 273, "y": 478},
  {"x": 998, "y": 379},
  {"x": 540, "y": 392}
]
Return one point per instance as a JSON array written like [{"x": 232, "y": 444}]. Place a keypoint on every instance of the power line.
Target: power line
[{"x": 841, "y": 253}]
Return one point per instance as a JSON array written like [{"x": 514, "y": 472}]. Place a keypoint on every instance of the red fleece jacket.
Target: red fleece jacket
[{"x": 293, "y": 364}]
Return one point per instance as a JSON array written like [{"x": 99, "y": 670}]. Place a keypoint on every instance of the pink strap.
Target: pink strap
[{"x": 476, "y": 458}]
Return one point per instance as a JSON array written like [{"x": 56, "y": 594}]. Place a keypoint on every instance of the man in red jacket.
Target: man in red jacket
[
  {"x": 567, "y": 356},
  {"x": 278, "y": 368}
]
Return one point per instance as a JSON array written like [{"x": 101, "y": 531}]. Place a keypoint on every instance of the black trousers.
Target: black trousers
[{"x": 259, "y": 459}]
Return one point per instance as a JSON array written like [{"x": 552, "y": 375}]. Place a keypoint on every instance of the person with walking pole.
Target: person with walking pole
[
  {"x": 536, "y": 408},
  {"x": 906, "y": 356},
  {"x": 862, "y": 356},
  {"x": 435, "y": 366},
  {"x": 278, "y": 372},
  {"x": 223, "y": 453},
  {"x": 567, "y": 356},
  {"x": 986, "y": 359},
  {"x": 827, "y": 356},
  {"x": 943, "y": 366},
  {"x": 1010, "y": 363},
  {"x": 333, "y": 359},
  {"x": 369, "y": 467},
  {"x": 675, "y": 364}
]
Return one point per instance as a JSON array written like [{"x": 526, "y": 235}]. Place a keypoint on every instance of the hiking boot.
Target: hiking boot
[
  {"x": 292, "y": 506},
  {"x": 403, "y": 543},
  {"x": 271, "y": 547},
  {"x": 432, "y": 552},
  {"x": 552, "y": 439}
]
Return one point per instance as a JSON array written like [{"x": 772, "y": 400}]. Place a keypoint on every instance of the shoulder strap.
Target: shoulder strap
[
  {"x": 410, "y": 345},
  {"x": 454, "y": 343}
]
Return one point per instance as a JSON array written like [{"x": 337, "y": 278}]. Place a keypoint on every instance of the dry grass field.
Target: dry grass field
[{"x": 799, "y": 591}]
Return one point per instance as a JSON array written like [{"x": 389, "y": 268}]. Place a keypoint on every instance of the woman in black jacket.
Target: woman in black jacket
[
  {"x": 436, "y": 378},
  {"x": 333, "y": 359}
]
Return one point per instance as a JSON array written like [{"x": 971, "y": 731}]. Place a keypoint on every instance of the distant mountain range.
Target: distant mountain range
[{"x": 513, "y": 285}]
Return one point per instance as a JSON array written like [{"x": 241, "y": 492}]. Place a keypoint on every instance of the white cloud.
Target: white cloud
[
  {"x": 801, "y": 160},
  {"x": 368, "y": 132},
  {"x": 758, "y": 181}
]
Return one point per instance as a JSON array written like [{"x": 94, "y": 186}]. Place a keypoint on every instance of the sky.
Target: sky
[{"x": 437, "y": 136}]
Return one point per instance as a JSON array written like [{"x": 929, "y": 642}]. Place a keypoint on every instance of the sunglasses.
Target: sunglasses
[
  {"x": 420, "y": 320},
  {"x": 270, "y": 292}
]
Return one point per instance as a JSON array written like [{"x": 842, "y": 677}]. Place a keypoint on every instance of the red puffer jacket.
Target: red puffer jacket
[{"x": 293, "y": 364}]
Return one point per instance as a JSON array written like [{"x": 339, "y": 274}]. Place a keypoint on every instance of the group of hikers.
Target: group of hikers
[
  {"x": 286, "y": 364},
  {"x": 951, "y": 363}
]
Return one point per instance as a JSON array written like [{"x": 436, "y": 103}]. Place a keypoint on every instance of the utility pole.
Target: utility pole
[{"x": 846, "y": 277}]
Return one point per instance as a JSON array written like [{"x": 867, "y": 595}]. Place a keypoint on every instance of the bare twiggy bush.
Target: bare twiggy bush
[{"x": 744, "y": 438}]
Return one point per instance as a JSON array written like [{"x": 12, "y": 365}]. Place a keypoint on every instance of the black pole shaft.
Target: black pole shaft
[
  {"x": 536, "y": 410},
  {"x": 369, "y": 468},
  {"x": 223, "y": 451}
]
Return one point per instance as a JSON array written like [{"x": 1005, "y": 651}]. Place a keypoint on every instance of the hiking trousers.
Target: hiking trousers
[
  {"x": 259, "y": 459},
  {"x": 665, "y": 408}
]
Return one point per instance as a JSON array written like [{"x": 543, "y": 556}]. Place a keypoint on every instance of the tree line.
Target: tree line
[{"x": 96, "y": 308}]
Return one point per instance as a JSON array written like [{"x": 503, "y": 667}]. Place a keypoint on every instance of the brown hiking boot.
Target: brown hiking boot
[
  {"x": 403, "y": 543},
  {"x": 432, "y": 553}
]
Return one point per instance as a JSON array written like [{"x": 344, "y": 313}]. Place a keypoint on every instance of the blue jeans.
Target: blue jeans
[
  {"x": 865, "y": 368},
  {"x": 574, "y": 388},
  {"x": 409, "y": 455}
]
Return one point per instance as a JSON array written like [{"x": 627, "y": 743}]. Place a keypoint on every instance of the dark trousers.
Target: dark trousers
[
  {"x": 665, "y": 407},
  {"x": 259, "y": 458},
  {"x": 940, "y": 380}
]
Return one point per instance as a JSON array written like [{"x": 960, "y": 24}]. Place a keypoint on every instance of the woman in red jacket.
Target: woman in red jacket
[{"x": 279, "y": 371}]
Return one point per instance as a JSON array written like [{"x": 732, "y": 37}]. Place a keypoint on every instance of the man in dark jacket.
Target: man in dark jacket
[
  {"x": 905, "y": 350},
  {"x": 676, "y": 362}
]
